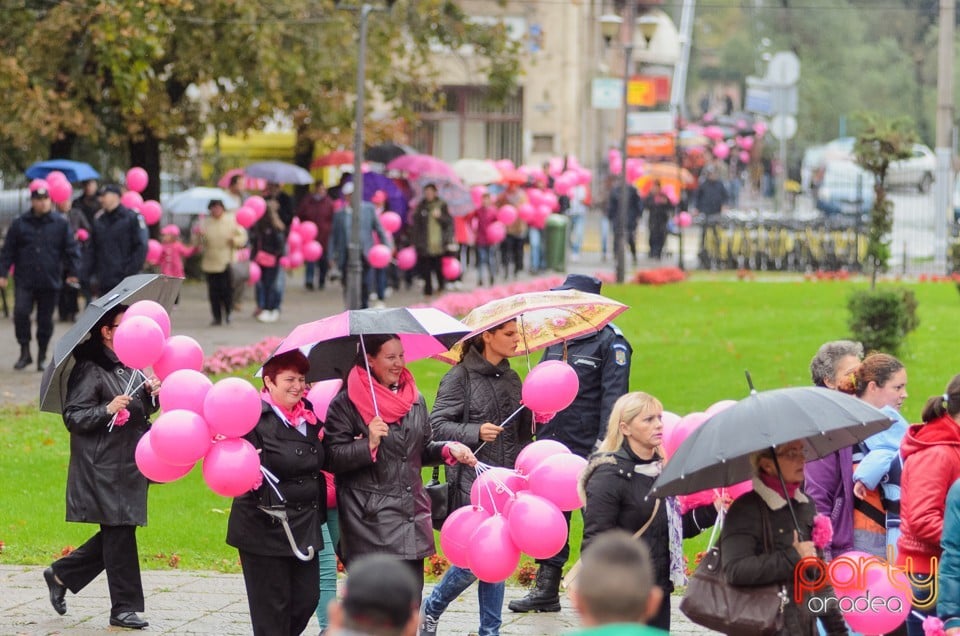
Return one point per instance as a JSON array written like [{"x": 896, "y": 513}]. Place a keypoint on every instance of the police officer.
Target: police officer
[
  {"x": 602, "y": 363},
  {"x": 119, "y": 242},
  {"x": 41, "y": 247}
]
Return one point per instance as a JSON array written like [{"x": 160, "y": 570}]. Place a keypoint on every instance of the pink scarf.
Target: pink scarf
[
  {"x": 773, "y": 483},
  {"x": 294, "y": 415},
  {"x": 392, "y": 406}
]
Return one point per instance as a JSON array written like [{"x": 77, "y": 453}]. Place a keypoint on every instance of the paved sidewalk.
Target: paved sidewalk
[{"x": 207, "y": 603}]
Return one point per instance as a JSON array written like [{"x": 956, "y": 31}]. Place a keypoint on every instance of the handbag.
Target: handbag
[
  {"x": 754, "y": 610},
  {"x": 445, "y": 496},
  {"x": 569, "y": 580},
  {"x": 265, "y": 259}
]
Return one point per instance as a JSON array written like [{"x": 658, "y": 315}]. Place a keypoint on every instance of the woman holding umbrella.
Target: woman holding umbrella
[
  {"x": 760, "y": 545},
  {"x": 282, "y": 589},
  {"x": 474, "y": 397},
  {"x": 104, "y": 486},
  {"x": 377, "y": 439},
  {"x": 615, "y": 487}
]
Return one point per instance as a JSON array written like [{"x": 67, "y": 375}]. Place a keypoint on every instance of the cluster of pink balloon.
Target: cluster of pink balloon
[
  {"x": 874, "y": 597},
  {"x": 302, "y": 245},
  {"x": 676, "y": 429},
  {"x": 514, "y": 511},
  {"x": 56, "y": 185},
  {"x": 137, "y": 180}
]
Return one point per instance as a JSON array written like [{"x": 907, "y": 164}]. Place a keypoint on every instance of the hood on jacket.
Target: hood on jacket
[
  {"x": 943, "y": 430},
  {"x": 474, "y": 361}
]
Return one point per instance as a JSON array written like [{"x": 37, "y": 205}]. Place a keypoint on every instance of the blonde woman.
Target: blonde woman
[{"x": 615, "y": 488}]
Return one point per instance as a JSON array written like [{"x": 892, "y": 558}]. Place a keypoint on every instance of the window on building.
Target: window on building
[{"x": 543, "y": 144}]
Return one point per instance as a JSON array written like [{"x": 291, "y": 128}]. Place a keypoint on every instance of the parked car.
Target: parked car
[
  {"x": 915, "y": 171},
  {"x": 845, "y": 188}
]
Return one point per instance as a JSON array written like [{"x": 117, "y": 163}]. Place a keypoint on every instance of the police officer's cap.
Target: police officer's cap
[{"x": 580, "y": 282}]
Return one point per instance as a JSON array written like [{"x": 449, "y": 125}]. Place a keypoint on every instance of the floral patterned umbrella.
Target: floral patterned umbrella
[{"x": 543, "y": 318}]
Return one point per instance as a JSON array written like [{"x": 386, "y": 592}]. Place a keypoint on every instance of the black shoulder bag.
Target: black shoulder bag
[{"x": 445, "y": 496}]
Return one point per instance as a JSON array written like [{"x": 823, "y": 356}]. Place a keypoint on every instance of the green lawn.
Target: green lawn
[{"x": 691, "y": 345}]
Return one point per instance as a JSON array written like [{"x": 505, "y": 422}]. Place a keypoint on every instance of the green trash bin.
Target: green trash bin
[{"x": 556, "y": 242}]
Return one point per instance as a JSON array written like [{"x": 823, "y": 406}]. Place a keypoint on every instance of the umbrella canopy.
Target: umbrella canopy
[
  {"x": 476, "y": 171},
  {"x": 718, "y": 452},
  {"x": 417, "y": 166},
  {"x": 543, "y": 318},
  {"x": 251, "y": 184},
  {"x": 279, "y": 172},
  {"x": 74, "y": 171},
  {"x": 385, "y": 153},
  {"x": 333, "y": 341},
  {"x": 513, "y": 176},
  {"x": 373, "y": 181},
  {"x": 334, "y": 158},
  {"x": 156, "y": 287},
  {"x": 195, "y": 201},
  {"x": 455, "y": 194},
  {"x": 670, "y": 171}
]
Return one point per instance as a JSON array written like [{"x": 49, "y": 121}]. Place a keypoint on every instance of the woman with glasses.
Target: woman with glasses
[
  {"x": 760, "y": 545},
  {"x": 615, "y": 487},
  {"x": 106, "y": 419}
]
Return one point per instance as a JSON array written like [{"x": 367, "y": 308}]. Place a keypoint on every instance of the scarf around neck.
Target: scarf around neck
[
  {"x": 773, "y": 483},
  {"x": 392, "y": 405},
  {"x": 292, "y": 416}
]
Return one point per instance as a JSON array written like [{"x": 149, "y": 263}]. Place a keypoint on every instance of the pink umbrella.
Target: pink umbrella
[
  {"x": 249, "y": 183},
  {"x": 417, "y": 166}
]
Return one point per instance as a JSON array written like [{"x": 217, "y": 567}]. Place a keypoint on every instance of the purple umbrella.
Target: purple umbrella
[
  {"x": 373, "y": 181},
  {"x": 456, "y": 195}
]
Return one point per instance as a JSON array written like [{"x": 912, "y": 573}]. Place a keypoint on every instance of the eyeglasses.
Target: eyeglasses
[{"x": 793, "y": 453}]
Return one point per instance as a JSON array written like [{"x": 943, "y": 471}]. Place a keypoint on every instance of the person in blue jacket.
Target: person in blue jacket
[
  {"x": 602, "y": 363},
  {"x": 948, "y": 607}
]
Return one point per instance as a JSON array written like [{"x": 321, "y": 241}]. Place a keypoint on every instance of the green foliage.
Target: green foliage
[{"x": 882, "y": 318}]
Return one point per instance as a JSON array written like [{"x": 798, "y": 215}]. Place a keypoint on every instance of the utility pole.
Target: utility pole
[
  {"x": 943, "y": 186},
  {"x": 354, "y": 271},
  {"x": 620, "y": 229}
]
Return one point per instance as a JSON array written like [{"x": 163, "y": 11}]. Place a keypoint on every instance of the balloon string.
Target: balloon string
[
  {"x": 482, "y": 468},
  {"x": 272, "y": 480},
  {"x": 127, "y": 390},
  {"x": 502, "y": 424}
]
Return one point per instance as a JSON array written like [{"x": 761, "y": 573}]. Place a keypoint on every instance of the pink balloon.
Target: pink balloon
[
  {"x": 154, "y": 251},
  {"x": 154, "y": 468},
  {"x": 245, "y": 216},
  {"x": 634, "y": 169},
  {"x": 60, "y": 191},
  {"x": 151, "y": 212},
  {"x": 476, "y": 195},
  {"x": 320, "y": 395},
  {"x": 496, "y": 232},
  {"x": 132, "y": 200},
  {"x": 682, "y": 430},
  {"x": 534, "y": 454},
  {"x": 716, "y": 407},
  {"x": 255, "y": 274},
  {"x": 507, "y": 214},
  {"x": 738, "y": 490},
  {"x": 670, "y": 421},
  {"x": 684, "y": 219},
  {"x": 869, "y": 616},
  {"x": 294, "y": 241},
  {"x": 295, "y": 224},
  {"x": 562, "y": 185},
  {"x": 184, "y": 389},
  {"x": 55, "y": 176},
  {"x": 504, "y": 164},
  {"x": 846, "y": 572},
  {"x": 82, "y": 235},
  {"x": 231, "y": 467},
  {"x": 450, "y": 267},
  {"x": 537, "y": 526},
  {"x": 721, "y": 150},
  {"x": 456, "y": 532},
  {"x": 492, "y": 554},
  {"x": 312, "y": 251},
  {"x": 232, "y": 407},
  {"x": 137, "y": 179},
  {"x": 671, "y": 193},
  {"x": 744, "y": 156},
  {"x": 138, "y": 342},
  {"x": 407, "y": 258},
  {"x": 308, "y": 231},
  {"x": 180, "y": 437},
  {"x": 379, "y": 256},
  {"x": 257, "y": 204},
  {"x": 535, "y": 197},
  {"x": 38, "y": 184},
  {"x": 745, "y": 142},
  {"x": 179, "y": 353},
  {"x": 285, "y": 262},
  {"x": 540, "y": 215},
  {"x": 391, "y": 222},
  {"x": 615, "y": 161},
  {"x": 550, "y": 387},
  {"x": 295, "y": 258},
  {"x": 492, "y": 488},
  {"x": 152, "y": 310},
  {"x": 525, "y": 211},
  {"x": 556, "y": 479}
]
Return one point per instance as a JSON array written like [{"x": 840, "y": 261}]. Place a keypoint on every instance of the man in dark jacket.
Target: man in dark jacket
[
  {"x": 602, "y": 363},
  {"x": 710, "y": 200},
  {"x": 119, "y": 243},
  {"x": 41, "y": 247},
  {"x": 634, "y": 212},
  {"x": 318, "y": 208}
]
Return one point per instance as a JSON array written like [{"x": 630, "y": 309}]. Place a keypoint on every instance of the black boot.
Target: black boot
[
  {"x": 25, "y": 358},
  {"x": 42, "y": 357},
  {"x": 545, "y": 596}
]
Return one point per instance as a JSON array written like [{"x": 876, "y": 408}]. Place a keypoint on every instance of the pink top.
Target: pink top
[{"x": 171, "y": 258}]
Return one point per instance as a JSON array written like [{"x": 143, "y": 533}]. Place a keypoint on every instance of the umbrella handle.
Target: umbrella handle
[{"x": 293, "y": 544}]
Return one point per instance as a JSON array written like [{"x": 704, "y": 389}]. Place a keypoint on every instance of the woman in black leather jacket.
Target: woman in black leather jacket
[
  {"x": 104, "y": 485},
  {"x": 375, "y": 447}
]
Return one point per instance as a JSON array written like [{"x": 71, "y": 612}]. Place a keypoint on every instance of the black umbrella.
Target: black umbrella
[
  {"x": 385, "y": 153},
  {"x": 156, "y": 287}
]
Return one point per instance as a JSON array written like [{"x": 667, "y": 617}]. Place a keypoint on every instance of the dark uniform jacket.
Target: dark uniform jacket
[
  {"x": 118, "y": 247},
  {"x": 420, "y": 220},
  {"x": 382, "y": 504},
  {"x": 616, "y": 497},
  {"x": 745, "y": 562},
  {"x": 104, "y": 485},
  {"x": 295, "y": 460},
  {"x": 602, "y": 363},
  {"x": 43, "y": 249},
  {"x": 471, "y": 393}
]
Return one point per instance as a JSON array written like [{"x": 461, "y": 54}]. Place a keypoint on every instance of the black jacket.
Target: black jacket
[
  {"x": 382, "y": 504},
  {"x": 615, "y": 496},
  {"x": 711, "y": 197},
  {"x": 43, "y": 249},
  {"x": 104, "y": 484},
  {"x": 634, "y": 207},
  {"x": 471, "y": 393},
  {"x": 118, "y": 247},
  {"x": 602, "y": 363},
  {"x": 296, "y": 461},
  {"x": 419, "y": 224}
]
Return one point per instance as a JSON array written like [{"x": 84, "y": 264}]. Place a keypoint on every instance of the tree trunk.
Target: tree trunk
[
  {"x": 145, "y": 153},
  {"x": 61, "y": 148},
  {"x": 302, "y": 156}
]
